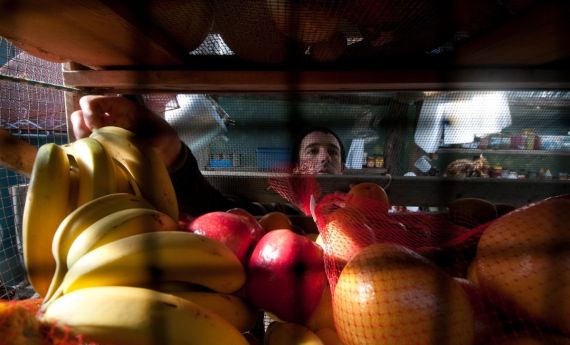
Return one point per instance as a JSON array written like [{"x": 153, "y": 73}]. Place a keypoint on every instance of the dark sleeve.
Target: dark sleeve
[{"x": 195, "y": 194}]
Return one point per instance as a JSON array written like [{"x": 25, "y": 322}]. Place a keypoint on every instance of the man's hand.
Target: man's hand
[{"x": 100, "y": 111}]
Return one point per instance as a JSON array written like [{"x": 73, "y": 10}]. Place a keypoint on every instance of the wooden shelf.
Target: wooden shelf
[
  {"x": 415, "y": 191},
  {"x": 134, "y": 50},
  {"x": 126, "y": 81},
  {"x": 505, "y": 152}
]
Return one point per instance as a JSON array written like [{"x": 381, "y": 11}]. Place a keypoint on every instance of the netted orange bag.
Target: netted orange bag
[
  {"x": 20, "y": 325},
  {"x": 416, "y": 278},
  {"x": 523, "y": 258}
]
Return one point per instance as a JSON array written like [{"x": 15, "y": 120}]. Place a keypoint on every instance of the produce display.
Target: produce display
[{"x": 123, "y": 269}]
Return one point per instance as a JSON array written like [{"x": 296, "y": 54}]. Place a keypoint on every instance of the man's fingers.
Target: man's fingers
[
  {"x": 102, "y": 111},
  {"x": 80, "y": 129},
  {"x": 93, "y": 112}
]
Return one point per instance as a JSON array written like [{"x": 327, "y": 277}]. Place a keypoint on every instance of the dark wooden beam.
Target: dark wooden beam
[
  {"x": 536, "y": 38},
  {"x": 409, "y": 191},
  {"x": 84, "y": 31},
  {"x": 128, "y": 81}
]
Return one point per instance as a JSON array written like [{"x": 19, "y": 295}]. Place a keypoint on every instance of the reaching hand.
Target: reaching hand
[{"x": 100, "y": 111}]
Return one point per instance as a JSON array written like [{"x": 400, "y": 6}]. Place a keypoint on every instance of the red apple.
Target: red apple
[
  {"x": 250, "y": 218},
  {"x": 184, "y": 221},
  {"x": 233, "y": 230},
  {"x": 286, "y": 275}
]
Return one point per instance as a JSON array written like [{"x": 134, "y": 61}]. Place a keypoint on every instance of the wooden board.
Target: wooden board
[
  {"x": 536, "y": 38},
  {"x": 84, "y": 31},
  {"x": 403, "y": 191},
  {"x": 124, "y": 81}
]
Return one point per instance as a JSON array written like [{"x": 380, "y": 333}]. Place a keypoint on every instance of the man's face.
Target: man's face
[{"x": 320, "y": 154}]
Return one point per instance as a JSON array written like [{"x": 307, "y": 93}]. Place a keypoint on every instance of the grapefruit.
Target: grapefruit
[
  {"x": 287, "y": 333},
  {"x": 388, "y": 294},
  {"x": 524, "y": 257},
  {"x": 331, "y": 49},
  {"x": 275, "y": 220},
  {"x": 307, "y": 21},
  {"x": 328, "y": 336},
  {"x": 471, "y": 212},
  {"x": 364, "y": 195},
  {"x": 346, "y": 233}
]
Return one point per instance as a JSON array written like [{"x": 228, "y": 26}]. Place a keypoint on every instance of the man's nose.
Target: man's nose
[{"x": 324, "y": 155}]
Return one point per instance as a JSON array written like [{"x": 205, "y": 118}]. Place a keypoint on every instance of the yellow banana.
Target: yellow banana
[
  {"x": 125, "y": 181},
  {"x": 117, "y": 225},
  {"x": 322, "y": 315},
  {"x": 147, "y": 258},
  {"x": 144, "y": 164},
  {"x": 232, "y": 308},
  {"x": 75, "y": 222},
  {"x": 328, "y": 336},
  {"x": 120, "y": 315},
  {"x": 288, "y": 333},
  {"x": 96, "y": 169},
  {"x": 46, "y": 206},
  {"x": 73, "y": 184}
]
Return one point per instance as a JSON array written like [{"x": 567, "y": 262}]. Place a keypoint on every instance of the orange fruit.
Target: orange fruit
[
  {"x": 287, "y": 333},
  {"x": 524, "y": 257},
  {"x": 251, "y": 339},
  {"x": 489, "y": 319},
  {"x": 330, "y": 49},
  {"x": 275, "y": 220},
  {"x": 388, "y": 294},
  {"x": 307, "y": 21},
  {"x": 471, "y": 212},
  {"x": 313, "y": 236},
  {"x": 329, "y": 336},
  {"x": 322, "y": 316},
  {"x": 472, "y": 274},
  {"x": 346, "y": 233},
  {"x": 361, "y": 194}
]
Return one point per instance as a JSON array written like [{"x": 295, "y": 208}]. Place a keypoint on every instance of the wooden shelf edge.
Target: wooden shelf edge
[
  {"x": 507, "y": 152},
  {"x": 128, "y": 81},
  {"x": 409, "y": 191}
]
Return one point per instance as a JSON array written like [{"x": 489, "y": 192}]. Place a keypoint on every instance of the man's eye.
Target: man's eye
[
  {"x": 333, "y": 153},
  {"x": 314, "y": 151}
]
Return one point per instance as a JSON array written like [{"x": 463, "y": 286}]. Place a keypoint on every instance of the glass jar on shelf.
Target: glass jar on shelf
[{"x": 379, "y": 162}]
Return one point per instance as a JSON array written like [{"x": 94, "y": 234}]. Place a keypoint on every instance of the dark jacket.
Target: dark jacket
[{"x": 197, "y": 196}]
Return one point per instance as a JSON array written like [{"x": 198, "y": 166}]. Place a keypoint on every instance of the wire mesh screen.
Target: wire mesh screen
[
  {"x": 31, "y": 109},
  {"x": 407, "y": 261}
]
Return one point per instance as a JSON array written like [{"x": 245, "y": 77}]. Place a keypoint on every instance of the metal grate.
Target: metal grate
[{"x": 31, "y": 108}]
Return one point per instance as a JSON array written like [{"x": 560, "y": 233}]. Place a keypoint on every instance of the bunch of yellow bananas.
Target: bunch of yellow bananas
[{"x": 108, "y": 209}]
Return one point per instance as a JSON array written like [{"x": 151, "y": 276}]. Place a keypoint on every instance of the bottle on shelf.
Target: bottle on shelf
[{"x": 547, "y": 175}]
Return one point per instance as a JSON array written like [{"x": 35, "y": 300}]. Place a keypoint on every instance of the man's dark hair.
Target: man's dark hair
[{"x": 297, "y": 144}]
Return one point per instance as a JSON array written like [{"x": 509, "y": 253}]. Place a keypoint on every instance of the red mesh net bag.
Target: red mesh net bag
[
  {"x": 417, "y": 278},
  {"x": 20, "y": 325}
]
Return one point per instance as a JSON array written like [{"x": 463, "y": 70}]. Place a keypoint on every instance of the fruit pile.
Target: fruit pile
[
  {"x": 475, "y": 277},
  {"x": 103, "y": 248},
  {"x": 124, "y": 269}
]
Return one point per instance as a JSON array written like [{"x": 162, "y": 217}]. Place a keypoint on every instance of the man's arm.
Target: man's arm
[{"x": 195, "y": 194}]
